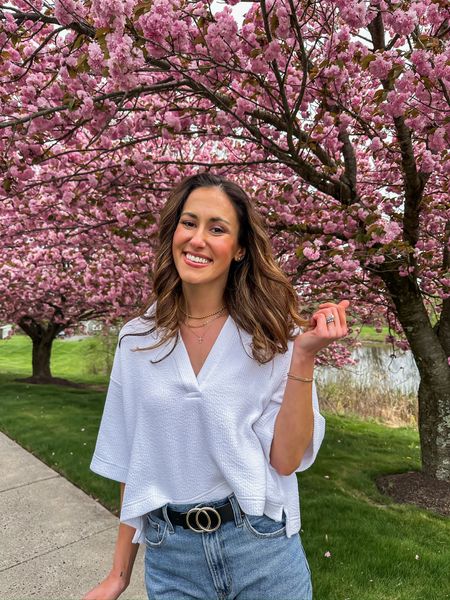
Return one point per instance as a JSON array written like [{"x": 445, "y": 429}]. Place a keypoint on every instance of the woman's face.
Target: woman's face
[{"x": 208, "y": 228}]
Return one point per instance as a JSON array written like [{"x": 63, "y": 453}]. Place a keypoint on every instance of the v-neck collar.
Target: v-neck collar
[{"x": 184, "y": 362}]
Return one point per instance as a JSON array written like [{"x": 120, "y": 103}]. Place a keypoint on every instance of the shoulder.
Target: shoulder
[
  {"x": 139, "y": 325},
  {"x": 136, "y": 325}
]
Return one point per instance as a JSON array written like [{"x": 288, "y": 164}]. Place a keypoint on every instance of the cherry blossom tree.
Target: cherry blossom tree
[
  {"x": 48, "y": 285},
  {"x": 337, "y": 112}
]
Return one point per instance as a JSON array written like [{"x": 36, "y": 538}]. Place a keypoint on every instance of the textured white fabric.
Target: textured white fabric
[{"x": 174, "y": 437}]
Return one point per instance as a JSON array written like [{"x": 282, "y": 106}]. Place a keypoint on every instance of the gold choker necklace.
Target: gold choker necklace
[{"x": 206, "y": 316}]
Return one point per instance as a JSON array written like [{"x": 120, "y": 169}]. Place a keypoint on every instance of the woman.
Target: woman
[{"x": 212, "y": 409}]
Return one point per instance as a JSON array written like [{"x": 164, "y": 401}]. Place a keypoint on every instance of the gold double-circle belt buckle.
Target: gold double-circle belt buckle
[{"x": 204, "y": 511}]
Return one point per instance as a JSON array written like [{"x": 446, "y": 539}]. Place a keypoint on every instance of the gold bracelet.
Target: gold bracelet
[{"x": 306, "y": 379}]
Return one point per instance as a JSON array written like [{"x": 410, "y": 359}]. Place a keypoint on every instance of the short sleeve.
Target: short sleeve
[
  {"x": 112, "y": 449},
  {"x": 265, "y": 425}
]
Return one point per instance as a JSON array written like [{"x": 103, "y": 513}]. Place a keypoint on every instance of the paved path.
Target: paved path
[{"x": 56, "y": 541}]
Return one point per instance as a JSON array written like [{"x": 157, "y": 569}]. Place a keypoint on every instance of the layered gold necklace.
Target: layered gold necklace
[{"x": 215, "y": 315}]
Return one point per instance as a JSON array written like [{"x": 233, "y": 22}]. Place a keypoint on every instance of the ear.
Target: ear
[{"x": 240, "y": 255}]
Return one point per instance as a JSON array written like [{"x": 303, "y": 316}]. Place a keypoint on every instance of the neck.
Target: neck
[{"x": 199, "y": 303}]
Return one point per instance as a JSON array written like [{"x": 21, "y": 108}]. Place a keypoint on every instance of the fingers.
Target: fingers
[
  {"x": 343, "y": 304},
  {"x": 336, "y": 328},
  {"x": 324, "y": 329}
]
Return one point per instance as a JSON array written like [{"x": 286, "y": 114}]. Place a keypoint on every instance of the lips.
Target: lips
[
  {"x": 195, "y": 264},
  {"x": 198, "y": 255}
]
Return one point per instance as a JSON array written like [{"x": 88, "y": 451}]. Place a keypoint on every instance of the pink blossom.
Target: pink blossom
[
  {"x": 427, "y": 162},
  {"x": 380, "y": 67},
  {"x": 10, "y": 24},
  {"x": 403, "y": 22},
  {"x": 243, "y": 106},
  {"x": 420, "y": 60},
  {"x": 395, "y": 105},
  {"x": 310, "y": 253},
  {"x": 68, "y": 11},
  {"x": 273, "y": 51},
  {"x": 376, "y": 144},
  {"x": 437, "y": 141},
  {"x": 96, "y": 60},
  {"x": 353, "y": 13},
  {"x": 259, "y": 65},
  {"x": 173, "y": 120}
]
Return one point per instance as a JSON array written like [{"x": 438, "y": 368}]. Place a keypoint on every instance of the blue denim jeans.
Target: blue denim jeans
[{"x": 248, "y": 558}]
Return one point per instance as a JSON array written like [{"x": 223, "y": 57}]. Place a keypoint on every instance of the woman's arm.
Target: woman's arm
[
  {"x": 118, "y": 578},
  {"x": 294, "y": 425}
]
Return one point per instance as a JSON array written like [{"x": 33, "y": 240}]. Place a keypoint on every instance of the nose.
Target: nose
[{"x": 198, "y": 237}]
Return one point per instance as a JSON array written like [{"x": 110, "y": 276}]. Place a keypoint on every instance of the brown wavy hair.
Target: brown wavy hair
[{"x": 258, "y": 295}]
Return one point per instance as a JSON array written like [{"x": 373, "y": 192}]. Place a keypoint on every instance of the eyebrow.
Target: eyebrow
[{"x": 213, "y": 219}]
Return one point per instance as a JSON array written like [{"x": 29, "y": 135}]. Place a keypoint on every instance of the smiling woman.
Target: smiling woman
[
  {"x": 209, "y": 418},
  {"x": 202, "y": 252}
]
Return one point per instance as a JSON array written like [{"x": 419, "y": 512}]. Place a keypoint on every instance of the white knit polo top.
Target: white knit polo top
[{"x": 174, "y": 437}]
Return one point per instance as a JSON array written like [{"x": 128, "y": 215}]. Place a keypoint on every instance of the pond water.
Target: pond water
[{"x": 377, "y": 366}]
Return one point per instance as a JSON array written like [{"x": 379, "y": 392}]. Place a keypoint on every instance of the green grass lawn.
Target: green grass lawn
[
  {"x": 373, "y": 542},
  {"x": 84, "y": 360},
  {"x": 368, "y": 334}
]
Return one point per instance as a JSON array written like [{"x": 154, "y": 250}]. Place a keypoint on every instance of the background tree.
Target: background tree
[
  {"x": 48, "y": 287},
  {"x": 350, "y": 98}
]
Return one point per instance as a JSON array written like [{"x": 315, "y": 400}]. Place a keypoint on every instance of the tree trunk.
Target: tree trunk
[
  {"x": 434, "y": 426},
  {"x": 430, "y": 353},
  {"x": 42, "y": 349},
  {"x": 42, "y": 337}
]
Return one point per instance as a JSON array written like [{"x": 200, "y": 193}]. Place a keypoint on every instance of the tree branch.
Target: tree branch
[
  {"x": 414, "y": 183},
  {"x": 376, "y": 30},
  {"x": 350, "y": 163}
]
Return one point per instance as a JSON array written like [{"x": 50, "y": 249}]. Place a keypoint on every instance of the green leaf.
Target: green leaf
[
  {"x": 82, "y": 64},
  {"x": 72, "y": 71},
  {"x": 255, "y": 52},
  {"x": 101, "y": 32},
  {"x": 394, "y": 73},
  {"x": 371, "y": 219},
  {"x": 7, "y": 184},
  {"x": 274, "y": 22},
  {"x": 380, "y": 96},
  {"x": 375, "y": 228},
  {"x": 365, "y": 62},
  {"x": 79, "y": 42},
  {"x": 141, "y": 9}
]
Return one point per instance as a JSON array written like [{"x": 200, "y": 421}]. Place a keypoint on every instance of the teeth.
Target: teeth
[{"x": 197, "y": 258}]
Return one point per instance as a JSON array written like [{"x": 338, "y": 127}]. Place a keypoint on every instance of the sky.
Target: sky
[{"x": 238, "y": 11}]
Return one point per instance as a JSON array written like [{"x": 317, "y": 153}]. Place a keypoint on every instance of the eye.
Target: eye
[{"x": 215, "y": 229}]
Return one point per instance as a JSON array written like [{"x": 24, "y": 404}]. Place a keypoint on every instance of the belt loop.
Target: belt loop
[
  {"x": 237, "y": 510},
  {"x": 166, "y": 518}
]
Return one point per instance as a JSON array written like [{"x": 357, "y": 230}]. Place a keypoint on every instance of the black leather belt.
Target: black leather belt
[{"x": 198, "y": 519}]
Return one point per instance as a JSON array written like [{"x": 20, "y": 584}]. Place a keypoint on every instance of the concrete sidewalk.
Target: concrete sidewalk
[{"x": 56, "y": 541}]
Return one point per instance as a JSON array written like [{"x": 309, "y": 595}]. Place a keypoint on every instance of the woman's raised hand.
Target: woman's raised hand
[{"x": 321, "y": 333}]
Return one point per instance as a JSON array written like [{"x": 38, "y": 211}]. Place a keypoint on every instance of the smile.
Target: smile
[{"x": 191, "y": 259}]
